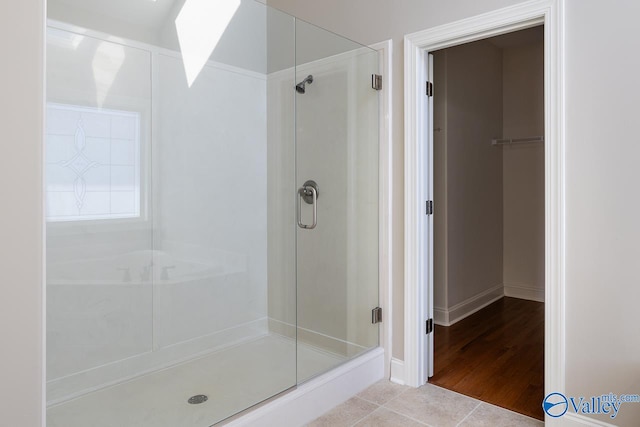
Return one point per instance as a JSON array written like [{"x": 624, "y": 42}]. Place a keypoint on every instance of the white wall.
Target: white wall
[
  {"x": 602, "y": 154},
  {"x": 210, "y": 155},
  {"x": 474, "y": 170},
  {"x": 21, "y": 305},
  {"x": 281, "y": 207},
  {"x": 467, "y": 180},
  {"x": 523, "y": 171}
]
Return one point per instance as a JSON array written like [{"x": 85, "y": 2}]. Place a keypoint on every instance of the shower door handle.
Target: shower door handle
[{"x": 309, "y": 193}]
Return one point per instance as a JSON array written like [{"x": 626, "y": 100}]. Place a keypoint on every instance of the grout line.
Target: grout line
[
  {"x": 367, "y": 400},
  {"x": 362, "y": 418},
  {"x": 375, "y": 403},
  {"x": 469, "y": 414},
  {"x": 409, "y": 417},
  {"x": 395, "y": 397},
  {"x": 384, "y": 405}
]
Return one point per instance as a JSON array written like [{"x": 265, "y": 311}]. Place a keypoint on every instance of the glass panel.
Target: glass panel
[
  {"x": 182, "y": 285},
  {"x": 212, "y": 204},
  {"x": 99, "y": 222},
  {"x": 337, "y": 147},
  {"x": 178, "y": 133}
]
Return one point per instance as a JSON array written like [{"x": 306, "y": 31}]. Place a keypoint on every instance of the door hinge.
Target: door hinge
[
  {"x": 429, "y": 207},
  {"x": 429, "y": 326},
  {"x": 429, "y": 89},
  {"x": 376, "y": 81},
  {"x": 376, "y": 315}
]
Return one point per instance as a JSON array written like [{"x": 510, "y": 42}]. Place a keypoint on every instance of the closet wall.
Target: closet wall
[
  {"x": 489, "y": 200},
  {"x": 468, "y": 176},
  {"x": 523, "y": 171}
]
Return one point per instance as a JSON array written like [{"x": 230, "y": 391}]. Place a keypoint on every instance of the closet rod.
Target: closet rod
[{"x": 517, "y": 140}]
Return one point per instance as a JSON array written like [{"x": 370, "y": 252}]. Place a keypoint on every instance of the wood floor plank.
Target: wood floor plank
[{"x": 495, "y": 355}]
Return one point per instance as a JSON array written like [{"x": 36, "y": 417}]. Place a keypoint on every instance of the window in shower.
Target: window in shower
[{"x": 93, "y": 163}]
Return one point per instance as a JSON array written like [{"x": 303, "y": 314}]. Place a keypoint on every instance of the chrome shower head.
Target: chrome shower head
[{"x": 300, "y": 87}]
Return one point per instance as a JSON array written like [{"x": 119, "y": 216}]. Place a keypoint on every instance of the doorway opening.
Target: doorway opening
[{"x": 489, "y": 219}]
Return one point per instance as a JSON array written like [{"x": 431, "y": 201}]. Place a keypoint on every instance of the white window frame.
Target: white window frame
[{"x": 138, "y": 165}]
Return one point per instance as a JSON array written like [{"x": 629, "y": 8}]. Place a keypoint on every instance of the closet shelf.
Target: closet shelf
[{"x": 526, "y": 140}]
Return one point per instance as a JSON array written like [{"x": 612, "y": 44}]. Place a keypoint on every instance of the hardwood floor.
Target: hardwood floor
[{"x": 495, "y": 355}]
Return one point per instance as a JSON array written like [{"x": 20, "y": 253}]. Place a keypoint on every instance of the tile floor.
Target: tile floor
[{"x": 391, "y": 405}]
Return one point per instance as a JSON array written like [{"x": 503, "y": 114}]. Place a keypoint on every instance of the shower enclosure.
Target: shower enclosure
[{"x": 212, "y": 208}]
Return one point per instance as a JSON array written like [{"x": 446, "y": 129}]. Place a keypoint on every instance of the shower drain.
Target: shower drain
[{"x": 199, "y": 398}]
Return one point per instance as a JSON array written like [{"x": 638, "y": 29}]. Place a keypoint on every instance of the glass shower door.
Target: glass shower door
[
  {"x": 337, "y": 199},
  {"x": 170, "y": 176},
  {"x": 181, "y": 287}
]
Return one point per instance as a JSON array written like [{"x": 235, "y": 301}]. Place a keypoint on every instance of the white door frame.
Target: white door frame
[{"x": 418, "y": 285}]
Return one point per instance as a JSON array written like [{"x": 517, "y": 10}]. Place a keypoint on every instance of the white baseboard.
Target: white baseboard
[
  {"x": 576, "y": 420},
  {"x": 467, "y": 307},
  {"x": 397, "y": 371},
  {"x": 441, "y": 316},
  {"x": 524, "y": 292},
  {"x": 317, "y": 396}
]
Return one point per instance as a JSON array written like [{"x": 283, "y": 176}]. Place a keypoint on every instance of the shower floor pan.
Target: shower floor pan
[{"x": 232, "y": 379}]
